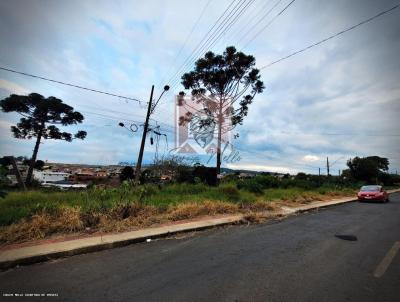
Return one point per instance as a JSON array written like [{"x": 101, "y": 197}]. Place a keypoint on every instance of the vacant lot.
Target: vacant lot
[{"x": 42, "y": 213}]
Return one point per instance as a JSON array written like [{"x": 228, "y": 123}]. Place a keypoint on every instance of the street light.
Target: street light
[{"x": 166, "y": 88}]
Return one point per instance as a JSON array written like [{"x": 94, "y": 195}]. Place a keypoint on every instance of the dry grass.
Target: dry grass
[
  {"x": 191, "y": 210},
  {"x": 120, "y": 218},
  {"x": 257, "y": 217},
  {"x": 130, "y": 216},
  {"x": 261, "y": 206},
  {"x": 65, "y": 220}
]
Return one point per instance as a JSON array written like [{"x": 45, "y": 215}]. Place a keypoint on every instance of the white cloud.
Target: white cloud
[
  {"x": 12, "y": 87},
  {"x": 310, "y": 158},
  {"x": 347, "y": 86}
]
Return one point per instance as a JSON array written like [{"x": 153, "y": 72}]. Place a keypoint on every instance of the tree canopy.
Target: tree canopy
[
  {"x": 231, "y": 81},
  {"x": 37, "y": 112},
  {"x": 367, "y": 168},
  {"x": 41, "y": 118}
]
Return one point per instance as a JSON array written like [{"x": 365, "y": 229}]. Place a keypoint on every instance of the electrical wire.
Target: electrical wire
[
  {"x": 251, "y": 16},
  {"x": 242, "y": 37},
  {"x": 218, "y": 36},
  {"x": 71, "y": 85},
  {"x": 205, "y": 37},
  {"x": 187, "y": 39},
  {"x": 268, "y": 24},
  {"x": 332, "y": 36},
  {"x": 203, "y": 45}
]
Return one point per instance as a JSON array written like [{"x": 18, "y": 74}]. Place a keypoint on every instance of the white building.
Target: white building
[
  {"x": 66, "y": 185},
  {"x": 50, "y": 176}
]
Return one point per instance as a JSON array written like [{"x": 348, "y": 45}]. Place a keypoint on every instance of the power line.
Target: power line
[
  {"x": 109, "y": 117},
  {"x": 342, "y": 157},
  {"x": 248, "y": 31},
  {"x": 126, "y": 114},
  {"x": 205, "y": 36},
  {"x": 269, "y": 23},
  {"x": 202, "y": 46},
  {"x": 284, "y": 132},
  {"x": 188, "y": 37},
  {"x": 252, "y": 15},
  {"x": 332, "y": 36},
  {"x": 115, "y": 118},
  {"x": 71, "y": 85},
  {"x": 217, "y": 36},
  {"x": 237, "y": 17}
]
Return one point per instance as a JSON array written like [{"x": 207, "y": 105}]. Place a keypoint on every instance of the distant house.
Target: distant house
[
  {"x": 50, "y": 176},
  {"x": 165, "y": 177},
  {"x": 101, "y": 173},
  {"x": 243, "y": 175},
  {"x": 66, "y": 185},
  {"x": 85, "y": 175}
]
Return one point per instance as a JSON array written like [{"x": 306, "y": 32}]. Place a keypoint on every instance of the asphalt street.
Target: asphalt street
[{"x": 342, "y": 253}]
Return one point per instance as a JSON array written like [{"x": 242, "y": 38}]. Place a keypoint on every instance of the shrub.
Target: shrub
[
  {"x": 267, "y": 181},
  {"x": 230, "y": 192},
  {"x": 251, "y": 185},
  {"x": 146, "y": 191}
]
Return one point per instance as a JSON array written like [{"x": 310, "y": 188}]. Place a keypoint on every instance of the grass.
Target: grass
[
  {"x": 303, "y": 195},
  {"x": 41, "y": 213},
  {"x": 17, "y": 205}
]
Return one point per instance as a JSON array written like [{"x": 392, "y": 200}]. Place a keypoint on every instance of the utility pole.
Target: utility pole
[
  {"x": 327, "y": 166},
  {"x": 145, "y": 127}
]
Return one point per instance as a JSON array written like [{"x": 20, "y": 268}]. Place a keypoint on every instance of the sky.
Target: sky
[{"x": 340, "y": 99}]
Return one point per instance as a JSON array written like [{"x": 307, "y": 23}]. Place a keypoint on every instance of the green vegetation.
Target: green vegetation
[
  {"x": 40, "y": 119},
  {"x": 17, "y": 205},
  {"x": 232, "y": 81},
  {"x": 41, "y": 213}
]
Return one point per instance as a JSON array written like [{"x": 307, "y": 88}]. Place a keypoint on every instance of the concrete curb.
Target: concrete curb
[{"x": 43, "y": 252}]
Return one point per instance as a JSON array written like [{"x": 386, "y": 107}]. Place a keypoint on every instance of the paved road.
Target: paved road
[{"x": 297, "y": 259}]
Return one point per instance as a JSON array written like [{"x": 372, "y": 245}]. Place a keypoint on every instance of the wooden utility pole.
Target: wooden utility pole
[
  {"x": 327, "y": 166},
  {"x": 145, "y": 128}
]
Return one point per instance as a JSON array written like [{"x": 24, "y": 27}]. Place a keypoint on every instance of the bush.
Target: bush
[
  {"x": 230, "y": 192},
  {"x": 127, "y": 173},
  {"x": 251, "y": 185},
  {"x": 267, "y": 182},
  {"x": 389, "y": 179},
  {"x": 258, "y": 183}
]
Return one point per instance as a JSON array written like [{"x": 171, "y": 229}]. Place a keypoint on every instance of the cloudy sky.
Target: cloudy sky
[{"x": 340, "y": 99}]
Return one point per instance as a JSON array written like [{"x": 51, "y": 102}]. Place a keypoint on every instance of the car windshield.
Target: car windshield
[{"x": 370, "y": 188}]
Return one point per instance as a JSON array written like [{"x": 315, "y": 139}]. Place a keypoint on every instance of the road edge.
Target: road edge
[{"x": 49, "y": 251}]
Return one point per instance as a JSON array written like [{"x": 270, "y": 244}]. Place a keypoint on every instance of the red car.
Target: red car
[{"x": 373, "y": 193}]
